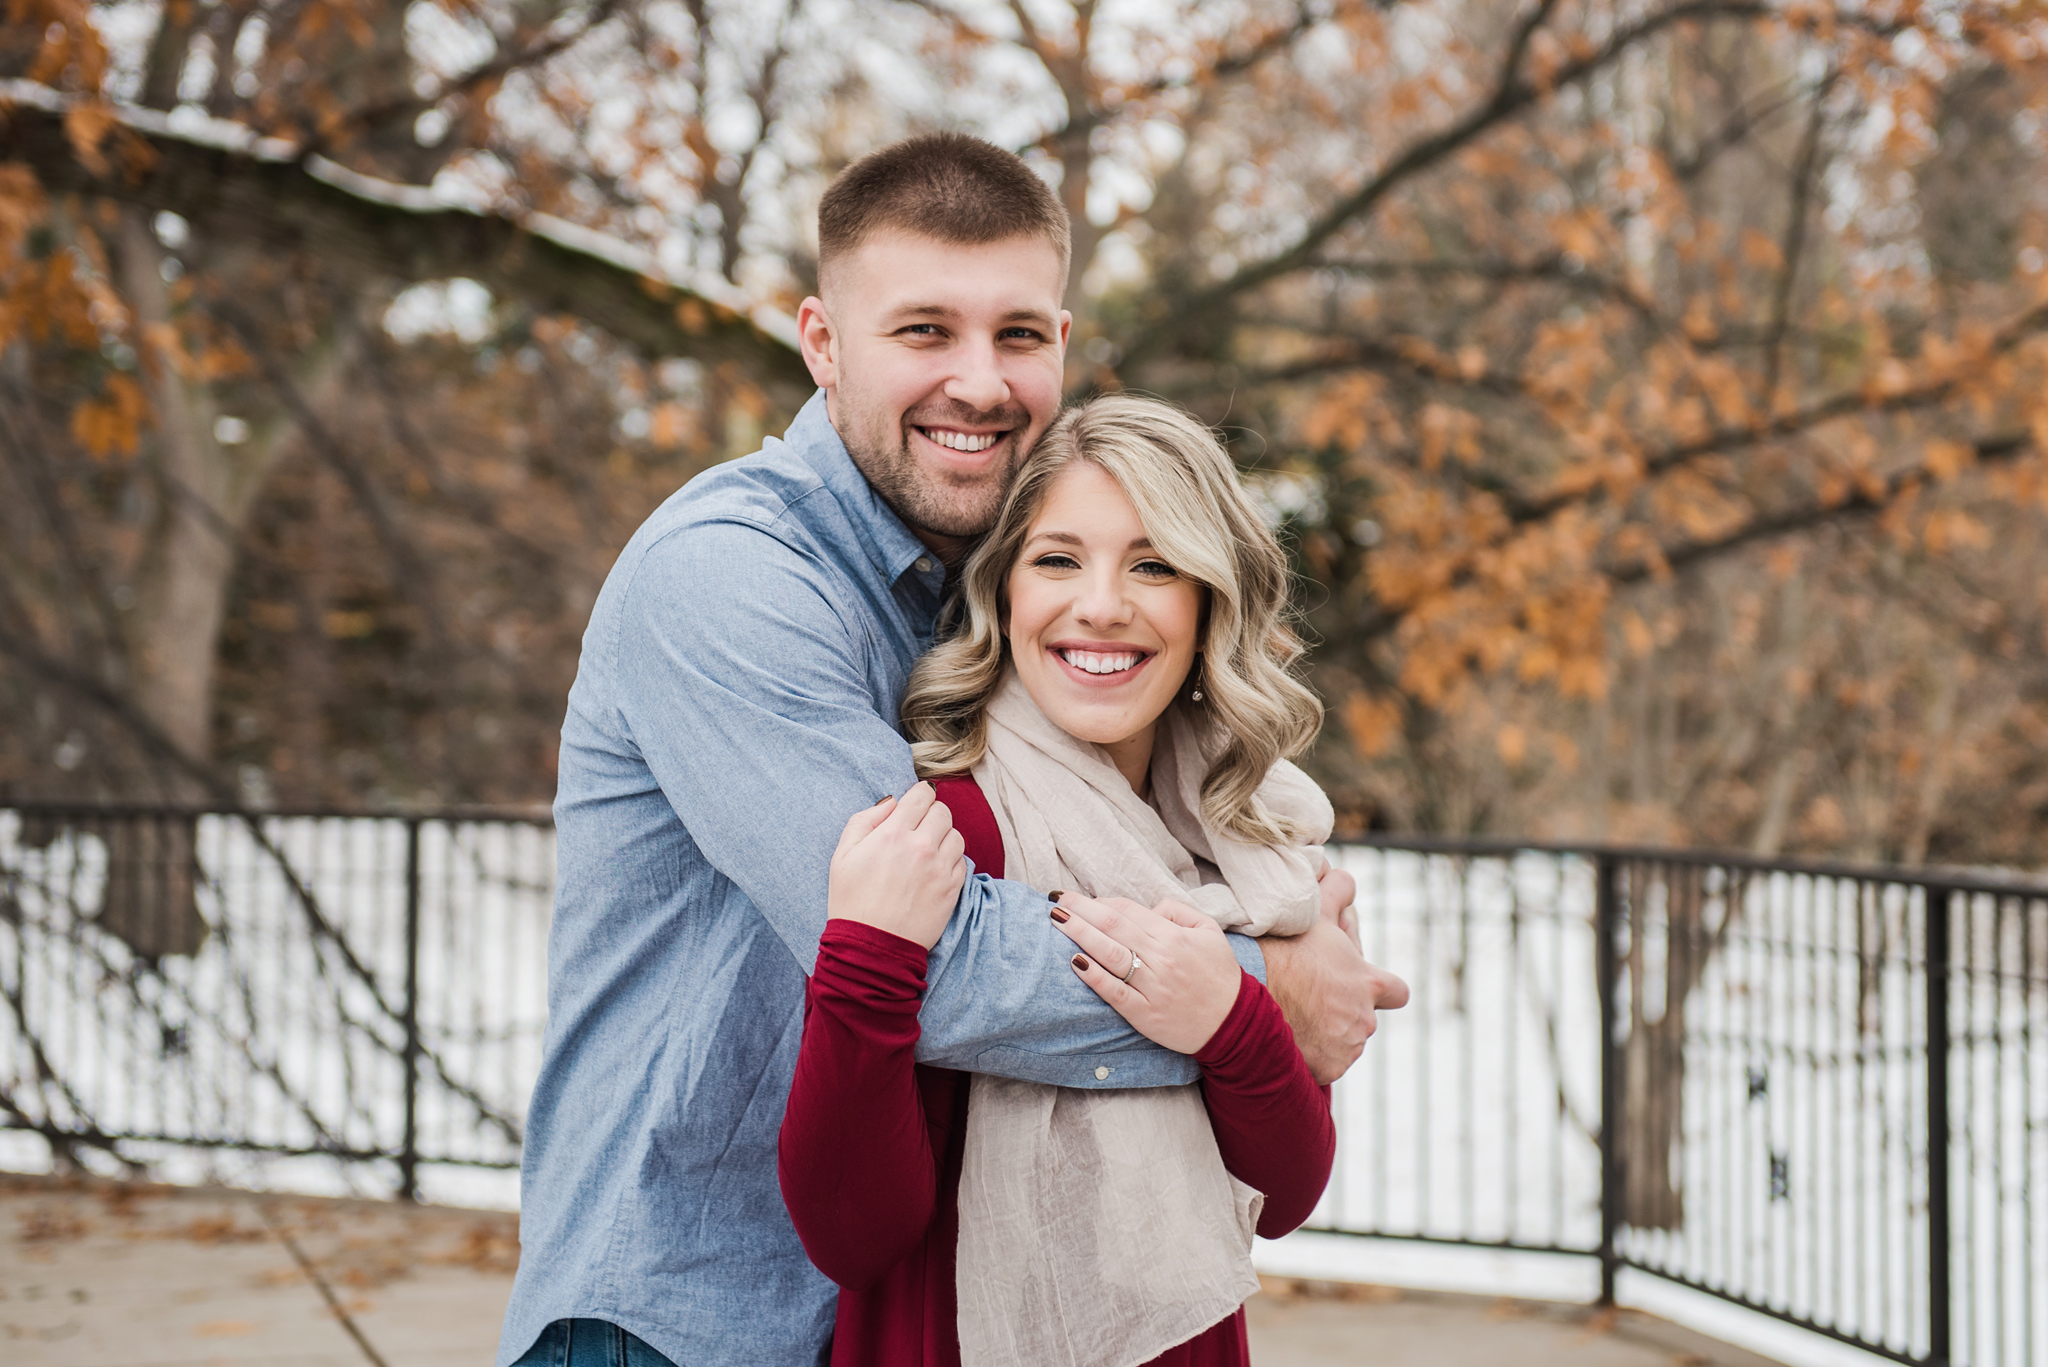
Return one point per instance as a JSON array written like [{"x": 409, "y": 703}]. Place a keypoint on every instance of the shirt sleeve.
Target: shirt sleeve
[
  {"x": 854, "y": 1155},
  {"x": 1272, "y": 1121},
  {"x": 745, "y": 689}
]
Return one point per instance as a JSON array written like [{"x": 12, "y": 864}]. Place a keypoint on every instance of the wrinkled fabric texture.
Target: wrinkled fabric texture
[
  {"x": 1099, "y": 1228},
  {"x": 735, "y": 702}
]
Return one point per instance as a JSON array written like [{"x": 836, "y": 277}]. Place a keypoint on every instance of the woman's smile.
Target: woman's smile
[{"x": 1103, "y": 665}]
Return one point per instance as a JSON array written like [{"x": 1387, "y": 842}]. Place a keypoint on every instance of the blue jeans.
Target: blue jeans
[{"x": 589, "y": 1343}]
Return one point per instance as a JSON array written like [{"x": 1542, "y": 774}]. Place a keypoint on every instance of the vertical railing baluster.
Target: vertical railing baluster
[
  {"x": 1606, "y": 971},
  {"x": 408, "y": 1155},
  {"x": 1938, "y": 1292}
]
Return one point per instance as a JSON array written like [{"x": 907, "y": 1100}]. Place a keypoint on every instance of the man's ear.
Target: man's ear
[
  {"x": 1066, "y": 328},
  {"x": 819, "y": 342}
]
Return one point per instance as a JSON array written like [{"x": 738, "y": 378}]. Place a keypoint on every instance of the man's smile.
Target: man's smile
[{"x": 953, "y": 439}]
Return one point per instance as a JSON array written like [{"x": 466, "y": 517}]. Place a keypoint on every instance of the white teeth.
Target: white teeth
[
  {"x": 961, "y": 441},
  {"x": 1095, "y": 662}
]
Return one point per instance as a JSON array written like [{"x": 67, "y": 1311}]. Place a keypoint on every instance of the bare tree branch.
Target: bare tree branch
[
  {"x": 120, "y": 709},
  {"x": 1793, "y": 246},
  {"x": 1172, "y": 318},
  {"x": 1552, "y": 269},
  {"x": 398, "y": 232},
  {"x": 505, "y": 61},
  {"x": 2004, "y": 448}
]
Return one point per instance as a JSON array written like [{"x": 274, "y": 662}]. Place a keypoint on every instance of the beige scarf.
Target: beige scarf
[{"x": 1099, "y": 1228}]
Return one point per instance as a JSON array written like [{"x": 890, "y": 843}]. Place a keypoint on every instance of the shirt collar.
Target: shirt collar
[{"x": 892, "y": 546}]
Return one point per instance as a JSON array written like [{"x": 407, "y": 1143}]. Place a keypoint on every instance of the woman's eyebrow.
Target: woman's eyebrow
[{"x": 1143, "y": 543}]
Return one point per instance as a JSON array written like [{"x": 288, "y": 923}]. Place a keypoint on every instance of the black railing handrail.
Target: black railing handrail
[
  {"x": 1923, "y": 876},
  {"x": 531, "y": 814},
  {"x": 540, "y": 814}
]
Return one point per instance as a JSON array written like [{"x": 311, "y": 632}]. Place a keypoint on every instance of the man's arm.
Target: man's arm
[{"x": 745, "y": 690}]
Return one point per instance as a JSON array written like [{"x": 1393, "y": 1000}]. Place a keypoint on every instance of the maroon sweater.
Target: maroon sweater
[{"x": 871, "y": 1143}]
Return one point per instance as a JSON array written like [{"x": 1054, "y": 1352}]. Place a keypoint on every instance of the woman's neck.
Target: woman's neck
[{"x": 1132, "y": 757}]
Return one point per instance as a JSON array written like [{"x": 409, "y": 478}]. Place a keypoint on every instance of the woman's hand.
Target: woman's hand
[
  {"x": 1186, "y": 979},
  {"x": 899, "y": 867}
]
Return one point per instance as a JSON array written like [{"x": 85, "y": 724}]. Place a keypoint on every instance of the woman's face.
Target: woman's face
[{"x": 1102, "y": 629}]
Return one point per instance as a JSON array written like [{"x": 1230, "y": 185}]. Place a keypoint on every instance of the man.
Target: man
[{"x": 735, "y": 703}]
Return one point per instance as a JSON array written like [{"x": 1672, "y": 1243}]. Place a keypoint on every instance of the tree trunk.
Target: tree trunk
[{"x": 1667, "y": 907}]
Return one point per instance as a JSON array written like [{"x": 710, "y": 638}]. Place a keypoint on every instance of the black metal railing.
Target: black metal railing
[
  {"x": 1819, "y": 1092},
  {"x": 1815, "y": 1091},
  {"x": 362, "y": 990}
]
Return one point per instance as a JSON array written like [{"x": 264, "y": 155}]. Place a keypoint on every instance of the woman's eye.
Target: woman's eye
[
  {"x": 1055, "y": 561},
  {"x": 1157, "y": 569}
]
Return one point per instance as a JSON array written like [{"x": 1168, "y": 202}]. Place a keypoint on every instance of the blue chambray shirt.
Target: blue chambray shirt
[{"x": 735, "y": 702}]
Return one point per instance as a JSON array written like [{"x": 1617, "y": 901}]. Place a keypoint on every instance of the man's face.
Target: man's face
[{"x": 941, "y": 366}]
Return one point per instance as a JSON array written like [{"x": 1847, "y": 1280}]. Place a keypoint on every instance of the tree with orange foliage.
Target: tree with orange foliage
[{"x": 1602, "y": 358}]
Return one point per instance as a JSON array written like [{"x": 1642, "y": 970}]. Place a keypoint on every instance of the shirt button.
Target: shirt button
[
  {"x": 1101, "y": 1073},
  {"x": 923, "y": 564}
]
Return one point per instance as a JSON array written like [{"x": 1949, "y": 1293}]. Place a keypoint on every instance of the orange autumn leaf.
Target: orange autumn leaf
[
  {"x": 87, "y": 125},
  {"x": 113, "y": 423},
  {"x": 1374, "y": 723}
]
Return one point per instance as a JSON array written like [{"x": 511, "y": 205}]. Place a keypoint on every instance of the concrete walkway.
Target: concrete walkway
[{"x": 98, "y": 1274}]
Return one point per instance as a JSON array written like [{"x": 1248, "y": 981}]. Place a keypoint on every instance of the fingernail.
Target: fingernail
[
  {"x": 1055, "y": 895},
  {"x": 1060, "y": 916},
  {"x": 880, "y": 800},
  {"x": 1080, "y": 964}
]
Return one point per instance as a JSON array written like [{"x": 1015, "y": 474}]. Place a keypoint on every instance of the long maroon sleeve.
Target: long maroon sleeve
[
  {"x": 855, "y": 1156},
  {"x": 1272, "y": 1121}
]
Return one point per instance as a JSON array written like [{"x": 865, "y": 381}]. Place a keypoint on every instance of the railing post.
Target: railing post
[
  {"x": 1607, "y": 975},
  {"x": 408, "y": 1153},
  {"x": 1938, "y": 1291}
]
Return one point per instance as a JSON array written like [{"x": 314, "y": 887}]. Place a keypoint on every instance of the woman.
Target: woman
[{"x": 1113, "y": 718}]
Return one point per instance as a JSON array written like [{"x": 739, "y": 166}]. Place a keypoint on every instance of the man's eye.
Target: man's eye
[
  {"x": 921, "y": 330},
  {"x": 1023, "y": 335}
]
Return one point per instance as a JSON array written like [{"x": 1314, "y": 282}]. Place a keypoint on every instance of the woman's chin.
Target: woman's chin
[{"x": 1097, "y": 723}]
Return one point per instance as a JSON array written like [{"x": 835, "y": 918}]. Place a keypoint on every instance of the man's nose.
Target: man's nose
[{"x": 977, "y": 379}]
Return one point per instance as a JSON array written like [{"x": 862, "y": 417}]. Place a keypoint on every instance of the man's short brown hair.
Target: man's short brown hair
[{"x": 947, "y": 186}]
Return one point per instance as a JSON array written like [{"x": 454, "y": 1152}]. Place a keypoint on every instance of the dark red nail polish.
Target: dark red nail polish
[
  {"x": 1055, "y": 896},
  {"x": 1080, "y": 964},
  {"x": 1060, "y": 916}
]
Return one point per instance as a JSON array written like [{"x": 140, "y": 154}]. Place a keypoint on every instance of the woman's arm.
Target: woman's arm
[
  {"x": 855, "y": 1157},
  {"x": 1272, "y": 1121}
]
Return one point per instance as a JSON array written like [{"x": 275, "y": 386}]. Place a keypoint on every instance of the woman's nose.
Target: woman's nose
[{"x": 1102, "y": 602}]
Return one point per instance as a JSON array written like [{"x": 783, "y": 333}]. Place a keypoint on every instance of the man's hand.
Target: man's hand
[
  {"x": 1330, "y": 995},
  {"x": 1337, "y": 890}
]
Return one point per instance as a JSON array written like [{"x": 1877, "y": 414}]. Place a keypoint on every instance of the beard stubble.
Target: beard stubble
[{"x": 932, "y": 502}]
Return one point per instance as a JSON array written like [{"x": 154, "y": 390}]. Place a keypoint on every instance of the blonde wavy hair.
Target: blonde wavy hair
[{"x": 1186, "y": 492}]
